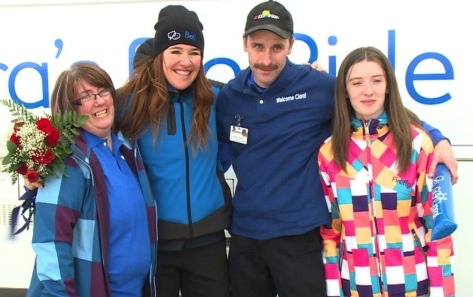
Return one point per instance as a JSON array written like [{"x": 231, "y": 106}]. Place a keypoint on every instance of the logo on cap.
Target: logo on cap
[
  {"x": 173, "y": 35},
  {"x": 190, "y": 36},
  {"x": 266, "y": 14}
]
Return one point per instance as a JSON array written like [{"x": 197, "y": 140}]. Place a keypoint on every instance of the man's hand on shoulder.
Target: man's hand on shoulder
[
  {"x": 317, "y": 66},
  {"x": 443, "y": 153}
]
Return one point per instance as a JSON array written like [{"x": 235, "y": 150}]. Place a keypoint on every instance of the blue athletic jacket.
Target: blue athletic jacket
[{"x": 192, "y": 196}]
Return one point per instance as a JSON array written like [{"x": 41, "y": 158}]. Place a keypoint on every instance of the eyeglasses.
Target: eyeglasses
[{"x": 86, "y": 99}]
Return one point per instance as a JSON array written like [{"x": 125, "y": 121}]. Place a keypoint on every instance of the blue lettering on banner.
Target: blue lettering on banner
[
  {"x": 411, "y": 76},
  {"x": 42, "y": 71},
  {"x": 132, "y": 50}
]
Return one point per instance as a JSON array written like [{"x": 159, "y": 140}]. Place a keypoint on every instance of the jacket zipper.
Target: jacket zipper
[
  {"x": 371, "y": 190},
  {"x": 186, "y": 154}
]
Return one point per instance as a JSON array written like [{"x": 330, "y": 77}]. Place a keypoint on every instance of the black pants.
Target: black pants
[
  {"x": 289, "y": 266},
  {"x": 196, "y": 272}
]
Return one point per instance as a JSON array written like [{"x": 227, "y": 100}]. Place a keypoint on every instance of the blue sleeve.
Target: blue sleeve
[
  {"x": 224, "y": 155},
  {"x": 434, "y": 133}
]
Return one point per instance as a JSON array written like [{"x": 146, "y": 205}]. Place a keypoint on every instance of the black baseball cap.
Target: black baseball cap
[{"x": 272, "y": 16}]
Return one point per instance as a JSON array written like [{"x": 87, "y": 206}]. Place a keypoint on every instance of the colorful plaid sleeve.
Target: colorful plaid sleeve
[{"x": 331, "y": 235}]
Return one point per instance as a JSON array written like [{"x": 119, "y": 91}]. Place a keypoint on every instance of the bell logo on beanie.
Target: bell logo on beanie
[{"x": 176, "y": 24}]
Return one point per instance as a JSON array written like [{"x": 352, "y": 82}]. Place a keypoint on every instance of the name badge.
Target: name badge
[{"x": 238, "y": 134}]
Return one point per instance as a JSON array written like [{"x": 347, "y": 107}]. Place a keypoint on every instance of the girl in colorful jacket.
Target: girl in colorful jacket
[{"x": 373, "y": 171}]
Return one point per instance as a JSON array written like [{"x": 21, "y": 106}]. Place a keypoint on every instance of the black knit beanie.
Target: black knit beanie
[{"x": 176, "y": 24}]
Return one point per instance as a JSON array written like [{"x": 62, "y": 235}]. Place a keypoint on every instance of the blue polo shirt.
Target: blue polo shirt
[{"x": 130, "y": 257}]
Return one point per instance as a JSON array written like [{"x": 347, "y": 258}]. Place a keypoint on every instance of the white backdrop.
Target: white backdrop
[{"x": 54, "y": 36}]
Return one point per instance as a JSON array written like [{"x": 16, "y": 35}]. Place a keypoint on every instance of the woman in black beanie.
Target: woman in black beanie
[{"x": 168, "y": 104}]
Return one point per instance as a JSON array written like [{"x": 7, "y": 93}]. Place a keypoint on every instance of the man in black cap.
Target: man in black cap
[
  {"x": 285, "y": 112},
  {"x": 272, "y": 118}
]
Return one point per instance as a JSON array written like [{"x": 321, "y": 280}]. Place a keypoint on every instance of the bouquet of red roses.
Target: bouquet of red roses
[{"x": 38, "y": 145}]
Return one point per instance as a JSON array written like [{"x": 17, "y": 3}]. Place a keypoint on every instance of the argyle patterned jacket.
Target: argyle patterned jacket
[{"x": 378, "y": 243}]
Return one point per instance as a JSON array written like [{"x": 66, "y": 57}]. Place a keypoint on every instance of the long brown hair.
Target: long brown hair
[
  {"x": 150, "y": 103},
  {"x": 399, "y": 117}
]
